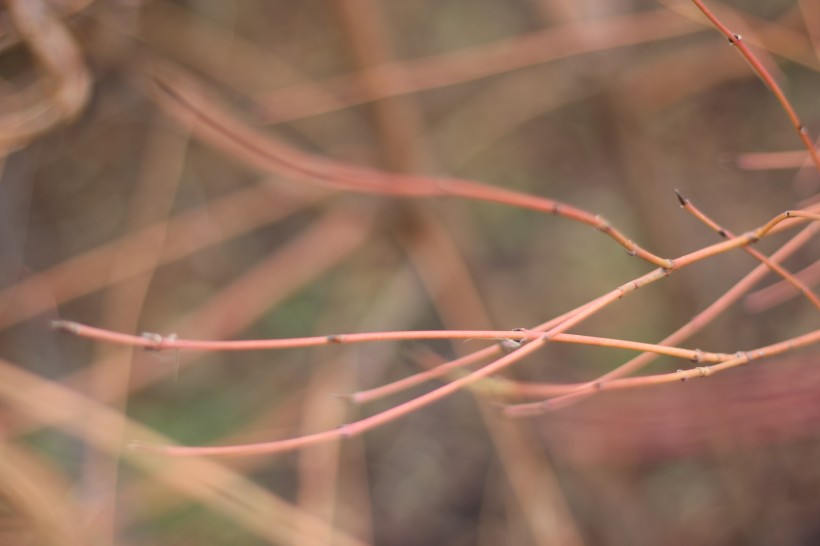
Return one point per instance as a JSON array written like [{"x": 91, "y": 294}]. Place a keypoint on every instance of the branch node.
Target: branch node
[
  {"x": 683, "y": 376},
  {"x": 345, "y": 432},
  {"x": 703, "y": 371},
  {"x": 158, "y": 340},
  {"x": 509, "y": 345}
]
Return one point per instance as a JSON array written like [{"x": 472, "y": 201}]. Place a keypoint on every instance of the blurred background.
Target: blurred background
[{"x": 118, "y": 211}]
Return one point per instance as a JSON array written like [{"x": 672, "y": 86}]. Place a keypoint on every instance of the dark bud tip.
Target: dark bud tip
[{"x": 681, "y": 200}]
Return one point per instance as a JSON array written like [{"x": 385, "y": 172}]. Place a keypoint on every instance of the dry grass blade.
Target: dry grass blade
[
  {"x": 35, "y": 497},
  {"x": 412, "y": 76},
  {"x": 775, "y": 294},
  {"x": 189, "y": 232},
  {"x": 258, "y": 510},
  {"x": 69, "y": 82}
]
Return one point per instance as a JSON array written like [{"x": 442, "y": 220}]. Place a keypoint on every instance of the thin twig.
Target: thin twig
[
  {"x": 155, "y": 342},
  {"x": 687, "y": 205},
  {"x": 180, "y": 97},
  {"x": 742, "y": 357},
  {"x": 737, "y": 41}
]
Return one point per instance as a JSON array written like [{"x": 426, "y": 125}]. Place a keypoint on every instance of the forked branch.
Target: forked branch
[
  {"x": 687, "y": 205},
  {"x": 536, "y": 341}
]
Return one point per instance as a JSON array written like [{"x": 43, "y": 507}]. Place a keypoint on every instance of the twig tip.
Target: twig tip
[
  {"x": 357, "y": 398},
  {"x": 136, "y": 445},
  {"x": 66, "y": 326},
  {"x": 729, "y": 161}
]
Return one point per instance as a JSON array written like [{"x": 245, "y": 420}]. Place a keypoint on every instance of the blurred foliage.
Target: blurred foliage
[{"x": 595, "y": 116}]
